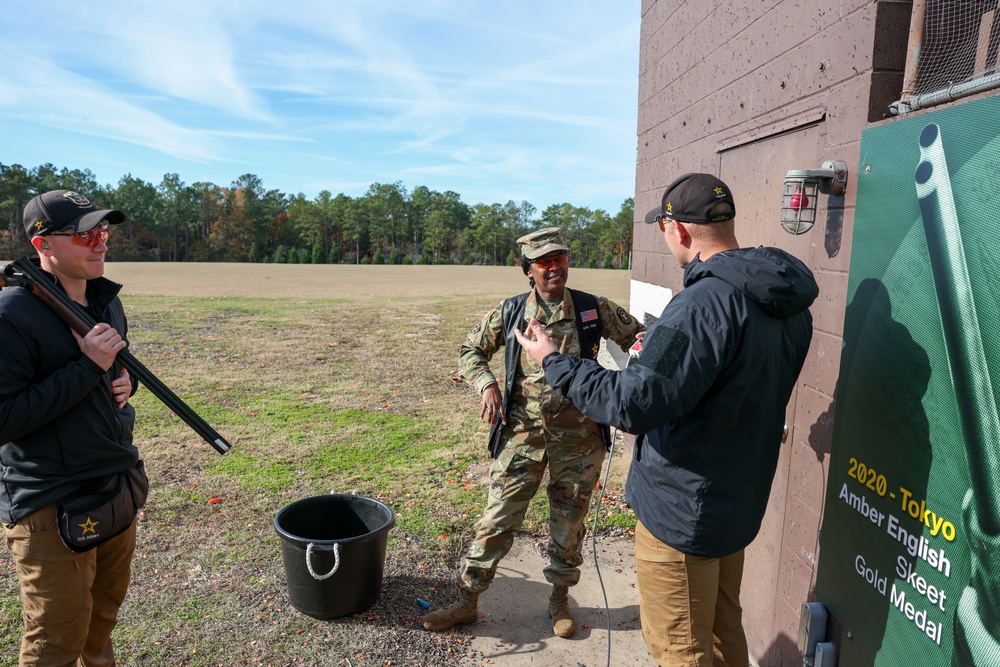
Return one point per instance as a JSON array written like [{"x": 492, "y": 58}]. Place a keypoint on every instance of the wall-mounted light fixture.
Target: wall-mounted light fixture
[{"x": 798, "y": 198}]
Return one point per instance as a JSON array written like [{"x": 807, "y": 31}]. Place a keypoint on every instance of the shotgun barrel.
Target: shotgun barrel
[
  {"x": 23, "y": 273},
  {"x": 967, "y": 362}
]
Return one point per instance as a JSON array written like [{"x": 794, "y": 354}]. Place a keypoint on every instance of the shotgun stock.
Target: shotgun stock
[{"x": 22, "y": 273}]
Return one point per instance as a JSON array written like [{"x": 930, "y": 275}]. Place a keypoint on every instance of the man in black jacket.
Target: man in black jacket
[
  {"x": 65, "y": 425},
  {"x": 707, "y": 399}
]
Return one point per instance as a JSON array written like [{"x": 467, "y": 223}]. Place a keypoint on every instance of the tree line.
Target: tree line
[{"x": 246, "y": 222}]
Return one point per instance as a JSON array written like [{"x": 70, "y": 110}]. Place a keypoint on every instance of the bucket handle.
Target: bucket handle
[{"x": 336, "y": 562}]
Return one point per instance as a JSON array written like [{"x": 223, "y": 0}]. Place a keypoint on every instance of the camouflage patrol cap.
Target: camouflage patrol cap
[{"x": 542, "y": 242}]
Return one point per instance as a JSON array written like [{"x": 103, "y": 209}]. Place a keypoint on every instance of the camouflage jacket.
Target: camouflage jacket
[{"x": 539, "y": 418}]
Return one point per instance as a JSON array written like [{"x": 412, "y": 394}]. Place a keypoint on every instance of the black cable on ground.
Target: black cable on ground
[{"x": 593, "y": 536}]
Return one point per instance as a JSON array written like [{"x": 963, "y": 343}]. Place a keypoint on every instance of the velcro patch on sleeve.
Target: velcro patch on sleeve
[{"x": 663, "y": 349}]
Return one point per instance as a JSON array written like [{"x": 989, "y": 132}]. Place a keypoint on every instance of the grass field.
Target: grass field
[{"x": 323, "y": 378}]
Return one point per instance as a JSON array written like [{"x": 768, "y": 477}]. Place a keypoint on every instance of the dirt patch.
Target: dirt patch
[{"x": 348, "y": 281}]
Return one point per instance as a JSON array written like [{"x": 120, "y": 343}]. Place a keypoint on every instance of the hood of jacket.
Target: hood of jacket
[{"x": 778, "y": 282}]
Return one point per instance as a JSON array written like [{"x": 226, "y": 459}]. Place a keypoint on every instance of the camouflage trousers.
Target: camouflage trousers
[{"x": 514, "y": 480}]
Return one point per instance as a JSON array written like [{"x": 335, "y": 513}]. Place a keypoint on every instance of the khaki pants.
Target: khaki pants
[
  {"x": 70, "y": 600},
  {"x": 689, "y": 606}
]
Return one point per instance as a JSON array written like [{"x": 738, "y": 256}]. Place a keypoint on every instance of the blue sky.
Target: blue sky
[{"x": 516, "y": 100}]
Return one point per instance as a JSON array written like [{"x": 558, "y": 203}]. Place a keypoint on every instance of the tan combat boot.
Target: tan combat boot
[
  {"x": 463, "y": 612},
  {"x": 563, "y": 624}
]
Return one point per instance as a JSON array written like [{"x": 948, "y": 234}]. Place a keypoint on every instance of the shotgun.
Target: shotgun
[
  {"x": 22, "y": 273},
  {"x": 970, "y": 371}
]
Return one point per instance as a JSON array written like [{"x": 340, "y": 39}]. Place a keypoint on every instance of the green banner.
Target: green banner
[{"x": 910, "y": 543}]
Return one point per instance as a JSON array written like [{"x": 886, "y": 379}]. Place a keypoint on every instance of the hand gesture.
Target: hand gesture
[{"x": 536, "y": 342}]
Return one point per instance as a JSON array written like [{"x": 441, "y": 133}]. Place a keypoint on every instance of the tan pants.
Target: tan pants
[
  {"x": 689, "y": 606},
  {"x": 70, "y": 600}
]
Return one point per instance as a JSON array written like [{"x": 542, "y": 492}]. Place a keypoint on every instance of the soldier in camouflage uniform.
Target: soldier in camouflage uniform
[{"x": 542, "y": 429}]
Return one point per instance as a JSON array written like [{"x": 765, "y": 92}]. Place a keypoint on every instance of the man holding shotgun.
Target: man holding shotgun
[{"x": 71, "y": 480}]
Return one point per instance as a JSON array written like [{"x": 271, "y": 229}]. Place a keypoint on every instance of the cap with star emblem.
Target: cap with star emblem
[
  {"x": 57, "y": 210},
  {"x": 695, "y": 198}
]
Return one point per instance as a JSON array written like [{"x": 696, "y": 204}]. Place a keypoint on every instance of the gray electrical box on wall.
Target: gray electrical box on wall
[
  {"x": 826, "y": 655},
  {"x": 812, "y": 627}
]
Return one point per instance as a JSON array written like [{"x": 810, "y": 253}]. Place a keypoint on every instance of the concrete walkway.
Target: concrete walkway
[{"x": 515, "y": 629}]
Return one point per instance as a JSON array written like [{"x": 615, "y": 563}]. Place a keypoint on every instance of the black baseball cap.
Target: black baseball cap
[
  {"x": 692, "y": 197},
  {"x": 57, "y": 210}
]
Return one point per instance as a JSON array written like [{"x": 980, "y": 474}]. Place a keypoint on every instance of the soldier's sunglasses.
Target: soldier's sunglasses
[
  {"x": 90, "y": 238},
  {"x": 551, "y": 261}
]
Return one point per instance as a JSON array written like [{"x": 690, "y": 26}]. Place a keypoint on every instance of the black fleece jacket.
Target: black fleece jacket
[{"x": 59, "y": 424}]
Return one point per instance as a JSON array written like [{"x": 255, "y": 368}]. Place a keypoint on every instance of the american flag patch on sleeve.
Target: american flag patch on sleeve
[{"x": 588, "y": 315}]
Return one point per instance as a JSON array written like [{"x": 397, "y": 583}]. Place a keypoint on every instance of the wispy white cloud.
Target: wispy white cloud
[
  {"x": 520, "y": 96},
  {"x": 183, "y": 50},
  {"x": 45, "y": 94},
  {"x": 258, "y": 136},
  {"x": 188, "y": 56}
]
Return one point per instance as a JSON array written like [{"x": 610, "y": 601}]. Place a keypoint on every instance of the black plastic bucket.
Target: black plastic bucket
[{"x": 333, "y": 548}]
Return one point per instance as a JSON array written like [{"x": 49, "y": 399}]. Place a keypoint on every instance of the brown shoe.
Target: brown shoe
[
  {"x": 463, "y": 612},
  {"x": 563, "y": 624}
]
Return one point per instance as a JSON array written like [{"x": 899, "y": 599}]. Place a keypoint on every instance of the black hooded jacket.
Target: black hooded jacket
[
  {"x": 707, "y": 397},
  {"x": 59, "y": 424}
]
